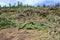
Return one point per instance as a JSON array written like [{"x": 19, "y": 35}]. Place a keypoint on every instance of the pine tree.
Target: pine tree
[
  {"x": 57, "y": 5},
  {"x": 38, "y": 5},
  {"x": 18, "y": 3},
  {"x": 4, "y": 6},
  {"x": 14, "y": 5},
  {"x": 27, "y": 5},
  {"x": 0, "y": 7},
  {"x": 10, "y": 5},
  {"x": 44, "y": 5}
]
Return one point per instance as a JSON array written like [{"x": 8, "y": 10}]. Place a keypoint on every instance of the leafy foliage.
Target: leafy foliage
[{"x": 6, "y": 23}]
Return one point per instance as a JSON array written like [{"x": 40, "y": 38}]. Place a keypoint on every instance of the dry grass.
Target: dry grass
[{"x": 46, "y": 20}]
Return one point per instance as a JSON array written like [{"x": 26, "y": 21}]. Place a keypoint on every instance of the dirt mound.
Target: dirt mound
[{"x": 15, "y": 34}]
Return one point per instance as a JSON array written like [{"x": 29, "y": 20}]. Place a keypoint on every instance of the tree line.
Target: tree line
[{"x": 20, "y": 4}]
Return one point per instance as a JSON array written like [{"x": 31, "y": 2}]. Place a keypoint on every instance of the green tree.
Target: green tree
[
  {"x": 27, "y": 5},
  {"x": 0, "y": 7},
  {"x": 14, "y": 5},
  {"x": 57, "y": 5},
  {"x": 18, "y": 3},
  {"x": 4, "y": 6},
  {"x": 10, "y": 5},
  {"x": 44, "y": 5},
  {"x": 38, "y": 5}
]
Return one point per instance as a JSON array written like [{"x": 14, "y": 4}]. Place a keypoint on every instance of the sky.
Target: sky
[{"x": 29, "y": 2}]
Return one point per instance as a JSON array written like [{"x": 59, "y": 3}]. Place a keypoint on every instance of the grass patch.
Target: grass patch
[
  {"x": 6, "y": 23},
  {"x": 32, "y": 26}
]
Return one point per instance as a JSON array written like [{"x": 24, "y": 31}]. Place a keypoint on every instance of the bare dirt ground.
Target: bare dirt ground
[{"x": 15, "y": 34}]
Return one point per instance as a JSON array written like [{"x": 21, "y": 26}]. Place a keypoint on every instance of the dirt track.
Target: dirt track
[{"x": 14, "y": 34}]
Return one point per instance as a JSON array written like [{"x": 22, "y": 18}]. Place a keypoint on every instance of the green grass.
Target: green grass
[
  {"x": 6, "y": 23},
  {"x": 19, "y": 7},
  {"x": 15, "y": 16},
  {"x": 32, "y": 26}
]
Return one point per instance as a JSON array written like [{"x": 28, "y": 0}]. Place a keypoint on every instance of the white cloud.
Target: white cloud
[
  {"x": 6, "y": 2},
  {"x": 31, "y": 2},
  {"x": 54, "y": 0},
  {"x": 2, "y": 3},
  {"x": 36, "y": 2}
]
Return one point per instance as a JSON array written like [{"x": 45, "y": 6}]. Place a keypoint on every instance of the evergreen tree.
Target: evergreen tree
[
  {"x": 27, "y": 5},
  {"x": 14, "y": 5},
  {"x": 38, "y": 5},
  {"x": 4, "y": 6},
  {"x": 57, "y": 5},
  {"x": 18, "y": 3},
  {"x": 0, "y": 7},
  {"x": 10, "y": 5},
  {"x": 44, "y": 5}
]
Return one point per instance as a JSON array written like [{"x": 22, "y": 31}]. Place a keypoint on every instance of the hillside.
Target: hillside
[{"x": 28, "y": 23}]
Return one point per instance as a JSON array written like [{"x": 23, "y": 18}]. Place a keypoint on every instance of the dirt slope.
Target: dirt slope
[{"x": 15, "y": 34}]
